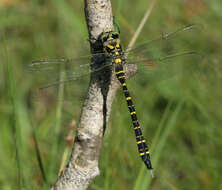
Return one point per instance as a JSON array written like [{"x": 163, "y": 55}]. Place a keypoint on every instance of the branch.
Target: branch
[{"x": 82, "y": 167}]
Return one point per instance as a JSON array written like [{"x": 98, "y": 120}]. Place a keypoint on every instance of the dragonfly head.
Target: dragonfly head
[{"x": 110, "y": 40}]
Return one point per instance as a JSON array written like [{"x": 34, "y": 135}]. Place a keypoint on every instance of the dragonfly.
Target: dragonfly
[
  {"x": 152, "y": 56},
  {"x": 117, "y": 59}
]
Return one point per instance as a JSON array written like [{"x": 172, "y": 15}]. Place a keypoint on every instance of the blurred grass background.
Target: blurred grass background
[{"x": 181, "y": 117}]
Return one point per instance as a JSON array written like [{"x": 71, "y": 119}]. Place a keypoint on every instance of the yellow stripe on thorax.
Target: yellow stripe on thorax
[
  {"x": 110, "y": 46},
  {"x": 118, "y": 60}
]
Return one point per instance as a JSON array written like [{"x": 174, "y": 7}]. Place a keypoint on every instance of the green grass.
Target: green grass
[{"x": 180, "y": 114}]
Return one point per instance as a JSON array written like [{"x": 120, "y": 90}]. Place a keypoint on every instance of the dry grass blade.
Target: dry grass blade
[{"x": 141, "y": 25}]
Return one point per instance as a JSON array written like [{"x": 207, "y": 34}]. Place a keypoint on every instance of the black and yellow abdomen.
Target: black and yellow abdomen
[
  {"x": 141, "y": 142},
  {"x": 113, "y": 49}
]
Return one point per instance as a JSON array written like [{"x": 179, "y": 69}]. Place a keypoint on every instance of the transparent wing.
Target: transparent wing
[
  {"x": 163, "y": 68},
  {"x": 53, "y": 66},
  {"x": 151, "y": 54},
  {"x": 158, "y": 47},
  {"x": 155, "y": 69},
  {"x": 50, "y": 70},
  {"x": 167, "y": 55},
  {"x": 170, "y": 43},
  {"x": 75, "y": 76},
  {"x": 50, "y": 64}
]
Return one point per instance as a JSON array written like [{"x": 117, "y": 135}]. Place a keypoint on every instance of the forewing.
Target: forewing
[
  {"x": 175, "y": 42},
  {"x": 49, "y": 70}
]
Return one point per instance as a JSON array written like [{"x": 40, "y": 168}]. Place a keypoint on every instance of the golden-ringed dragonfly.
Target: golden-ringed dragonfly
[
  {"x": 149, "y": 54},
  {"x": 113, "y": 48}
]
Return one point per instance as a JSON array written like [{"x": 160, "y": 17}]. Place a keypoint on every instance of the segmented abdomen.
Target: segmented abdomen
[{"x": 141, "y": 143}]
